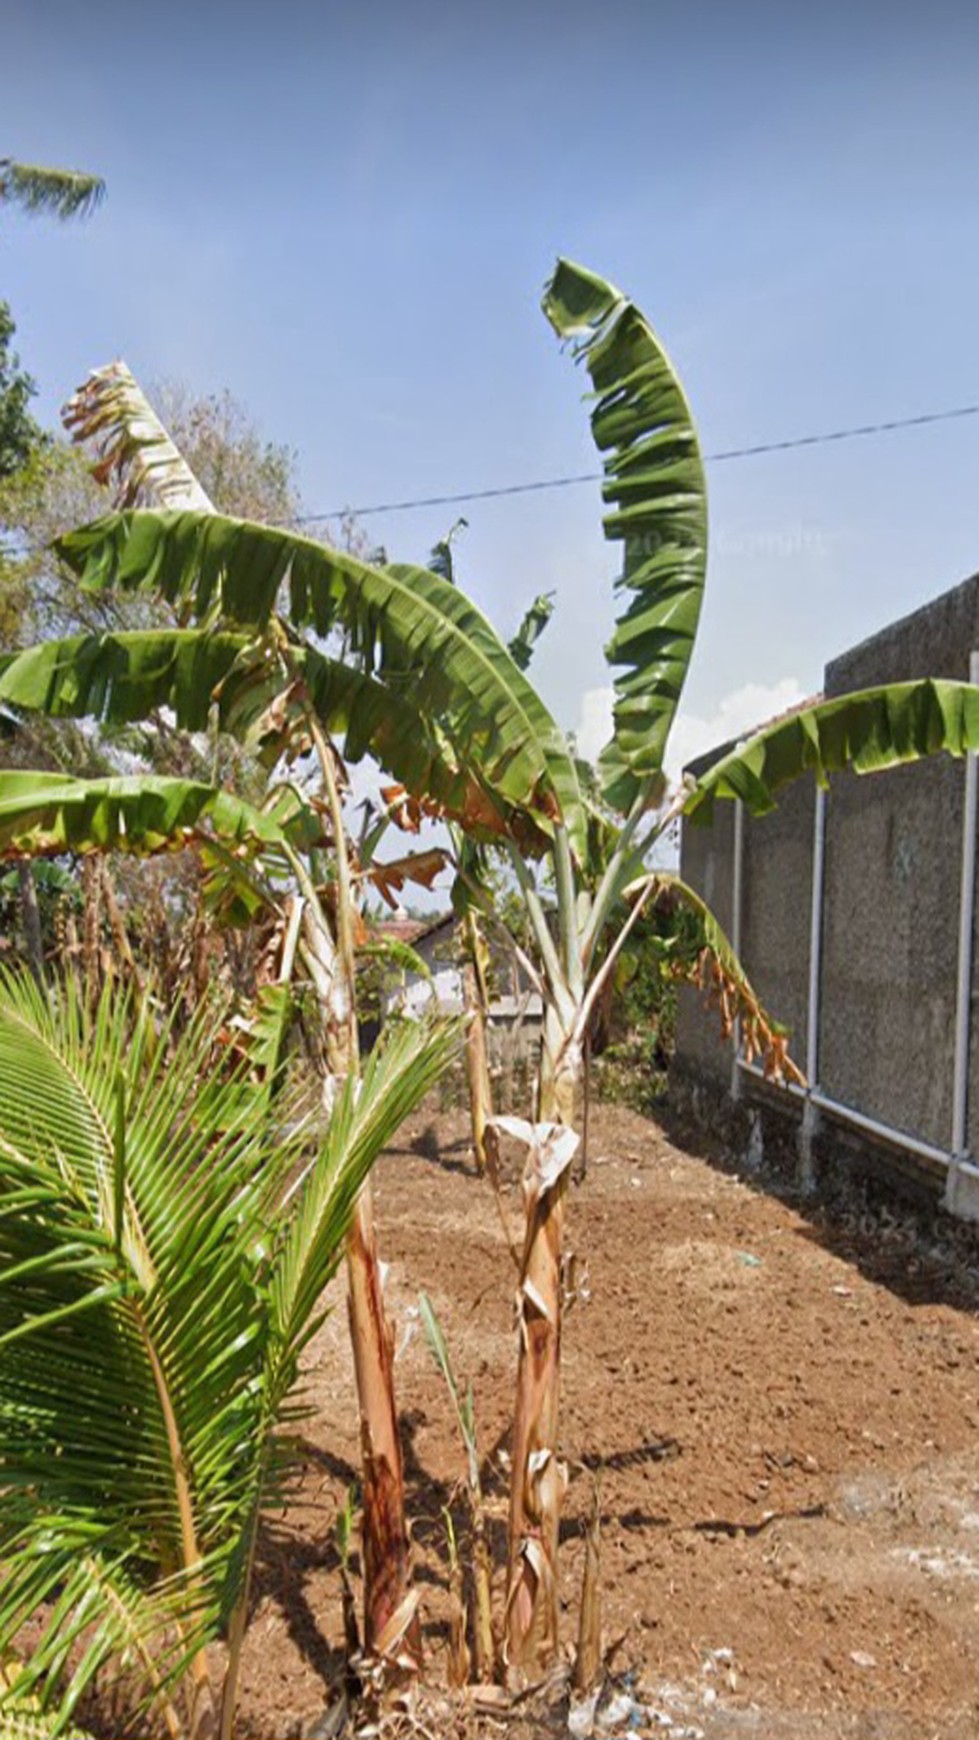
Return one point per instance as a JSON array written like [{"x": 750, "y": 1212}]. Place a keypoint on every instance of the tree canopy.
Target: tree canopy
[{"x": 20, "y": 435}]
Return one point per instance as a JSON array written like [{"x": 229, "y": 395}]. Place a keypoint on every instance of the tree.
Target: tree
[
  {"x": 243, "y": 474},
  {"x": 440, "y": 701},
  {"x": 166, "y": 1233},
  {"x": 20, "y": 436},
  {"x": 45, "y": 494}
]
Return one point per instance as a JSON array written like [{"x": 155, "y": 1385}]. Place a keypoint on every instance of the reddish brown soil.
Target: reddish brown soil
[{"x": 783, "y": 1418}]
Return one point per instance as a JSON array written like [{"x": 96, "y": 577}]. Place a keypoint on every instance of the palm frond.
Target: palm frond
[
  {"x": 395, "y": 1079},
  {"x": 159, "y": 1276},
  {"x": 129, "y": 1406},
  {"x": 62, "y": 193}
]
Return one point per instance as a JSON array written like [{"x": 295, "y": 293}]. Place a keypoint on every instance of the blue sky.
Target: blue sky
[{"x": 346, "y": 214}]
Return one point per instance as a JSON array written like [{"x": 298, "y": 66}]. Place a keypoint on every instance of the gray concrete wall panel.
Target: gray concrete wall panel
[
  {"x": 777, "y": 898},
  {"x": 890, "y": 910}
]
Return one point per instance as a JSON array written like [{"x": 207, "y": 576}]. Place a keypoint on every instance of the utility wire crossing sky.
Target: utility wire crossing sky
[{"x": 864, "y": 429}]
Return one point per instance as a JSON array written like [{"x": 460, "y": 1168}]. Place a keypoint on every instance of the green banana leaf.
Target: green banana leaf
[
  {"x": 535, "y": 620},
  {"x": 119, "y": 678},
  {"x": 42, "y": 814},
  {"x": 408, "y": 628},
  {"x": 369, "y": 717},
  {"x": 654, "y": 480},
  {"x": 122, "y": 677},
  {"x": 866, "y": 732}
]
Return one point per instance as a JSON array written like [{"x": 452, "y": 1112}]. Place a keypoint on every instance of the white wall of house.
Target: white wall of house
[{"x": 416, "y": 996}]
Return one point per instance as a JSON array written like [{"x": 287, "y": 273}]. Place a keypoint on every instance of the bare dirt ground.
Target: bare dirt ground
[{"x": 783, "y": 1415}]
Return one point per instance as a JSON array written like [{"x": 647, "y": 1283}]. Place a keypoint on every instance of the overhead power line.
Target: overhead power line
[{"x": 541, "y": 483}]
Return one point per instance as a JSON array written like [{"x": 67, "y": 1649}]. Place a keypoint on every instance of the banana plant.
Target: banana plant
[
  {"x": 267, "y": 681},
  {"x": 164, "y": 1246},
  {"x": 471, "y": 865},
  {"x": 429, "y": 688}
]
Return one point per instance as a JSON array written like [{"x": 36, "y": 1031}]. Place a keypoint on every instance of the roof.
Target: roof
[
  {"x": 403, "y": 930},
  {"x": 412, "y": 930}
]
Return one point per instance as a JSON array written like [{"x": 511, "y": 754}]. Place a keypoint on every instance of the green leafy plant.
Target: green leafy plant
[
  {"x": 414, "y": 675},
  {"x": 281, "y": 697},
  {"x": 164, "y": 1246},
  {"x": 464, "y": 1406}
]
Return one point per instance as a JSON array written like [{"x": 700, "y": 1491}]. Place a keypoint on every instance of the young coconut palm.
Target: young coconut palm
[
  {"x": 164, "y": 1245},
  {"x": 254, "y": 861},
  {"x": 432, "y": 692}
]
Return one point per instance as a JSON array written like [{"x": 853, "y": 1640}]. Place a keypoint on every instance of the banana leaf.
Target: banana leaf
[
  {"x": 119, "y": 678},
  {"x": 655, "y": 483},
  {"x": 43, "y": 814},
  {"x": 407, "y": 627},
  {"x": 865, "y": 732}
]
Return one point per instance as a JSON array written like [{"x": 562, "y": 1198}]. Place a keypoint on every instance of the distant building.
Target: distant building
[{"x": 516, "y": 1012}]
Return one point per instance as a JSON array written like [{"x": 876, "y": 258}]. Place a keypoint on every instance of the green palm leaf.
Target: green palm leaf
[
  {"x": 127, "y": 1381},
  {"x": 654, "y": 479},
  {"x": 64, "y": 193},
  {"x": 867, "y": 731},
  {"x": 366, "y": 1117},
  {"x": 159, "y": 1277},
  {"x": 409, "y": 628},
  {"x": 25, "y": 1724}
]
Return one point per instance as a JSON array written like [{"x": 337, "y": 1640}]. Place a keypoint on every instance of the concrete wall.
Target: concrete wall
[
  {"x": 706, "y": 856},
  {"x": 890, "y": 906},
  {"x": 890, "y": 935},
  {"x": 775, "y": 906}
]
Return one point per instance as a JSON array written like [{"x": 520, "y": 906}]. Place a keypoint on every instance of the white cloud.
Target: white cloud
[
  {"x": 594, "y": 727},
  {"x": 738, "y": 714},
  {"x": 693, "y": 734}
]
